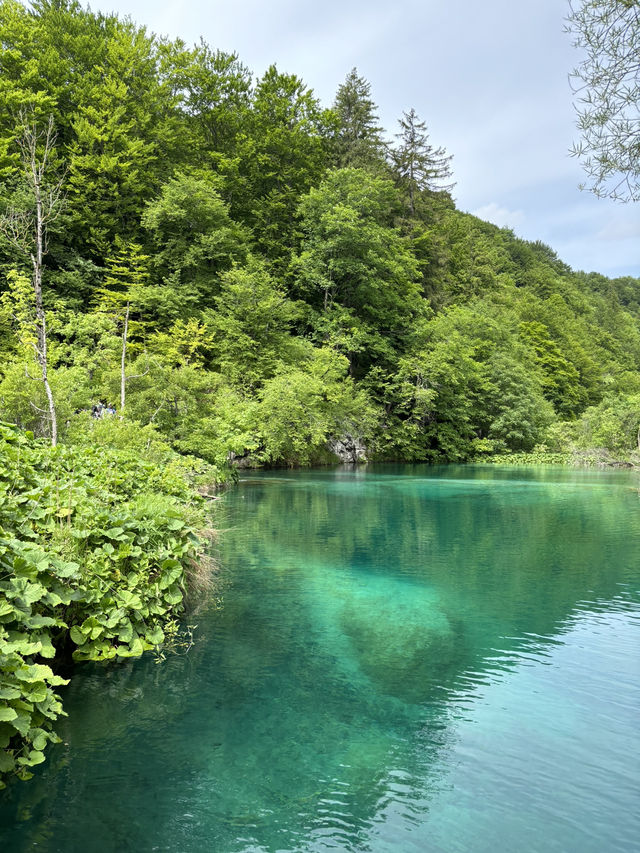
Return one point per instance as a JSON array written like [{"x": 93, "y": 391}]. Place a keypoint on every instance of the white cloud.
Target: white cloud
[
  {"x": 500, "y": 216},
  {"x": 619, "y": 230}
]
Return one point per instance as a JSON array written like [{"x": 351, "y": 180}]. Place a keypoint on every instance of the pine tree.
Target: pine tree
[
  {"x": 417, "y": 164},
  {"x": 358, "y": 141}
]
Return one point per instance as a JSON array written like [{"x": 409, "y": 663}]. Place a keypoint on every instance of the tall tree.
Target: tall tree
[
  {"x": 607, "y": 85},
  {"x": 115, "y": 109},
  {"x": 214, "y": 93},
  {"x": 417, "y": 164},
  {"x": 355, "y": 267},
  {"x": 114, "y": 152},
  {"x": 193, "y": 240},
  {"x": 26, "y": 228},
  {"x": 358, "y": 141},
  {"x": 282, "y": 156}
]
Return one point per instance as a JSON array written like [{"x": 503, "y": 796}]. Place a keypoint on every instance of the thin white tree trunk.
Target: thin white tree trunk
[
  {"x": 123, "y": 378},
  {"x": 41, "y": 324}
]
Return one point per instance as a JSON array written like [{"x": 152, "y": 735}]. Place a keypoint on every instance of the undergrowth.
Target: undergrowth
[{"x": 98, "y": 547}]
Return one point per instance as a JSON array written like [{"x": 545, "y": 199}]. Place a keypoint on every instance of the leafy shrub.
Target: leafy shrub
[
  {"x": 95, "y": 546},
  {"x": 538, "y": 456},
  {"x": 604, "y": 434}
]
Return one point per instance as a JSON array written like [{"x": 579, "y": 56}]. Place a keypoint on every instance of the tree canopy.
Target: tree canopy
[{"x": 260, "y": 276}]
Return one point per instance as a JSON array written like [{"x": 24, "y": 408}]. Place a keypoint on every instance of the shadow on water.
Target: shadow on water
[{"x": 366, "y": 614}]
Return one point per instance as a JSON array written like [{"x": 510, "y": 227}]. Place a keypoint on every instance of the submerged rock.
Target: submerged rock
[
  {"x": 385, "y": 635},
  {"x": 404, "y": 644}
]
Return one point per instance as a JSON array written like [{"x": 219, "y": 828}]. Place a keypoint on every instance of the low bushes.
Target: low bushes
[{"x": 95, "y": 547}]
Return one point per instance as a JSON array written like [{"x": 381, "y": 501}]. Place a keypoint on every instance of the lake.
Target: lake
[{"x": 398, "y": 658}]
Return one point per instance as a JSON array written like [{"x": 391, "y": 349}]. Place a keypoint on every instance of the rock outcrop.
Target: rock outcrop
[{"x": 348, "y": 448}]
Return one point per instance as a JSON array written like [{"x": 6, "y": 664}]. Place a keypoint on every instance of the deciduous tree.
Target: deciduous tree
[
  {"x": 127, "y": 275},
  {"x": 607, "y": 86},
  {"x": 26, "y": 228}
]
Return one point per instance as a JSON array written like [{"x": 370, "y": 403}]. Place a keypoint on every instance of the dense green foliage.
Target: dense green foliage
[
  {"x": 254, "y": 279},
  {"x": 261, "y": 277},
  {"x": 97, "y": 546}
]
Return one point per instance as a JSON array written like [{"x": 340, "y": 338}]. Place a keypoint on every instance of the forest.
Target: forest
[
  {"x": 200, "y": 271},
  {"x": 292, "y": 278}
]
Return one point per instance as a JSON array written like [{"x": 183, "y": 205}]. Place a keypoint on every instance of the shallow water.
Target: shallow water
[{"x": 406, "y": 658}]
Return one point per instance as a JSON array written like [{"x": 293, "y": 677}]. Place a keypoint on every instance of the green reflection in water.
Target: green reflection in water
[{"x": 407, "y": 658}]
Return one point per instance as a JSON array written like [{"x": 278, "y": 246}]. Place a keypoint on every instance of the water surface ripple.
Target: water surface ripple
[{"x": 406, "y": 659}]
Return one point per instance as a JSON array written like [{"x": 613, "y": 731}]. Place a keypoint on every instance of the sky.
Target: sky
[{"x": 489, "y": 79}]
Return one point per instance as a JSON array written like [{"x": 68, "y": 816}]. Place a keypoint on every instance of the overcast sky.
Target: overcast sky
[{"x": 490, "y": 80}]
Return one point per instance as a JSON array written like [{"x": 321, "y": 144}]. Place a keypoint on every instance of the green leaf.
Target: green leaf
[
  {"x": 155, "y": 635},
  {"x": 34, "y": 592},
  {"x": 173, "y": 595},
  {"x": 37, "y": 693},
  {"x": 77, "y": 636},
  {"x": 37, "y": 621},
  {"x": 7, "y": 762},
  {"x": 35, "y": 672},
  {"x": 47, "y": 650},
  {"x": 39, "y": 739},
  {"x": 22, "y": 722},
  {"x": 67, "y": 570},
  {"x": 126, "y": 632},
  {"x": 9, "y": 693},
  {"x": 8, "y": 715},
  {"x": 24, "y": 648},
  {"x": 130, "y": 600},
  {"x": 170, "y": 576},
  {"x": 53, "y": 599}
]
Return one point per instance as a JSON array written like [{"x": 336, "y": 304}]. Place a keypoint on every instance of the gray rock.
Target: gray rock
[{"x": 348, "y": 448}]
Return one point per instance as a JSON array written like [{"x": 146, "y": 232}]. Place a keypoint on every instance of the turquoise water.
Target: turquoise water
[{"x": 404, "y": 659}]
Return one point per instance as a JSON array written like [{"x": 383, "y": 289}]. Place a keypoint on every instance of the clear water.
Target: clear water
[{"x": 406, "y": 659}]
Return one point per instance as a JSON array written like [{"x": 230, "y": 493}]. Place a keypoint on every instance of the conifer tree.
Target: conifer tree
[
  {"x": 358, "y": 141},
  {"x": 417, "y": 164}
]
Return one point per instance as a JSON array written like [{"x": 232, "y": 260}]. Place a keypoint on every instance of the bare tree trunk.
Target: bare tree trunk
[
  {"x": 123, "y": 378},
  {"x": 41, "y": 358},
  {"x": 36, "y": 261},
  {"x": 412, "y": 209},
  {"x": 27, "y": 232}
]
